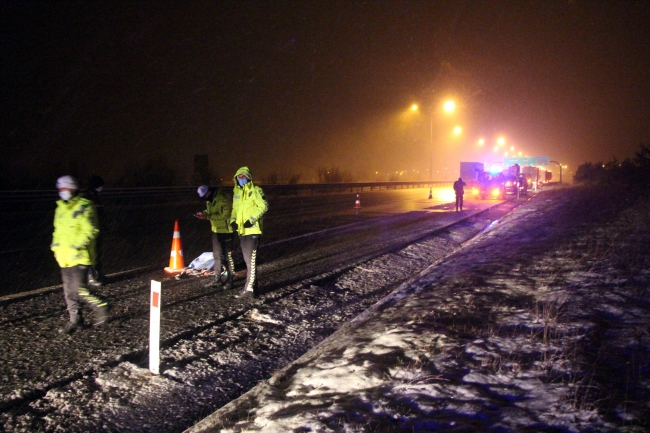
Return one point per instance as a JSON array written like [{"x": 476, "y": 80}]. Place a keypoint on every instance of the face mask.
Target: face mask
[
  {"x": 65, "y": 195},
  {"x": 99, "y": 189},
  {"x": 242, "y": 182}
]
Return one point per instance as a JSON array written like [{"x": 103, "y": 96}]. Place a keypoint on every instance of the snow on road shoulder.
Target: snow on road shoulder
[{"x": 538, "y": 323}]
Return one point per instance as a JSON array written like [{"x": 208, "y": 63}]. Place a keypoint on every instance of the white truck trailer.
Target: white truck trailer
[{"x": 471, "y": 172}]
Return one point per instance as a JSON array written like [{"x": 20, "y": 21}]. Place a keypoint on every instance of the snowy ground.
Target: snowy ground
[{"x": 541, "y": 323}]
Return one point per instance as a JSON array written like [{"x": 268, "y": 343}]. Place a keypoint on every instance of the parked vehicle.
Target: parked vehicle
[
  {"x": 508, "y": 183},
  {"x": 490, "y": 187},
  {"x": 516, "y": 185}
]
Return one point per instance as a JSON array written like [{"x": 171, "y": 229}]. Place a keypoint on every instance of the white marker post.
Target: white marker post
[{"x": 154, "y": 329}]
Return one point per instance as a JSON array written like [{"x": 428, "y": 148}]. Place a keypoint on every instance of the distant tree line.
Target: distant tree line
[
  {"x": 277, "y": 179},
  {"x": 333, "y": 175},
  {"x": 160, "y": 172},
  {"x": 632, "y": 173},
  {"x": 153, "y": 172}
]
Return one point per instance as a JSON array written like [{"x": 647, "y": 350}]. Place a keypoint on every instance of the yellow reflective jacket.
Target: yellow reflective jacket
[
  {"x": 75, "y": 230},
  {"x": 248, "y": 204},
  {"x": 218, "y": 212}
]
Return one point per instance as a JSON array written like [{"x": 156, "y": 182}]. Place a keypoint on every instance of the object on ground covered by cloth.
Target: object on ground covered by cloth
[
  {"x": 201, "y": 266},
  {"x": 205, "y": 261}
]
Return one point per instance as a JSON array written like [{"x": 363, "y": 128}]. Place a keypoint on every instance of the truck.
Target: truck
[
  {"x": 509, "y": 182},
  {"x": 535, "y": 176},
  {"x": 514, "y": 181},
  {"x": 471, "y": 173}
]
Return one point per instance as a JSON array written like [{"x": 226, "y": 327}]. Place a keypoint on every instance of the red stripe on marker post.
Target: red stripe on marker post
[{"x": 155, "y": 298}]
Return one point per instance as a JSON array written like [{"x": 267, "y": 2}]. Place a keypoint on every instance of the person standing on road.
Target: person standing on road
[
  {"x": 96, "y": 276},
  {"x": 75, "y": 230},
  {"x": 248, "y": 207},
  {"x": 459, "y": 189},
  {"x": 218, "y": 209}
]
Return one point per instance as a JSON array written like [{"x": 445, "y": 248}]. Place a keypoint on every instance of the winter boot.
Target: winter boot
[
  {"x": 69, "y": 327},
  {"x": 93, "y": 281},
  {"x": 245, "y": 294},
  {"x": 228, "y": 284}
]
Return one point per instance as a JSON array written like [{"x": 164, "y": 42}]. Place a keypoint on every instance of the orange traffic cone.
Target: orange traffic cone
[
  {"x": 176, "y": 264},
  {"x": 357, "y": 203}
]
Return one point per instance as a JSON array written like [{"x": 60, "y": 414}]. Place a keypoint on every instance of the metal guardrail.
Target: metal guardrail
[
  {"x": 269, "y": 189},
  {"x": 329, "y": 188}
]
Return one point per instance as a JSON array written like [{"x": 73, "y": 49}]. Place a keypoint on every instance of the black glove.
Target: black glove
[
  {"x": 248, "y": 224},
  {"x": 234, "y": 226}
]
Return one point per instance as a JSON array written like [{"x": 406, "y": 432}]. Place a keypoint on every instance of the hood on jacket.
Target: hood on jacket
[
  {"x": 245, "y": 171},
  {"x": 207, "y": 192},
  {"x": 95, "y": 182}
]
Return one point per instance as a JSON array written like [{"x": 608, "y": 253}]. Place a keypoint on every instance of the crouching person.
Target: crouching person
[{"x": 75, "y": 229}]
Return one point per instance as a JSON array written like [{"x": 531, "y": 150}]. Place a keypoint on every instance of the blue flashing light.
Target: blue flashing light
[{"x": 496, "y": 168}]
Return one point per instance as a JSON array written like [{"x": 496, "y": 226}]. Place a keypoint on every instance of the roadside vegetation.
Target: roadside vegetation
[{"x": 633, "y": 174}]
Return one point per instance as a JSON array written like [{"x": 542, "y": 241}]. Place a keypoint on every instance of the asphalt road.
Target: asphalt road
[{"x": 139, "y": 229}]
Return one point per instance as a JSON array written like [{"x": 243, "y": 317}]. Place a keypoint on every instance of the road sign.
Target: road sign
[
  {"x": 528, "y": 160},
  {"x": 543, "y": 160},
  {"x": 521, "y": 161}
]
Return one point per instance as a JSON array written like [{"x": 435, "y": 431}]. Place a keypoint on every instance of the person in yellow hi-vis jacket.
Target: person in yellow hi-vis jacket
[
  {"x": 75, "y": 229},
  {"x": 248, "y": 207},
  {"x": 217, "y": 211}
]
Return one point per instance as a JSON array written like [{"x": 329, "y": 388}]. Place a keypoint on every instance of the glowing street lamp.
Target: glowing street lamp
[{"x": 449, "y": 106}]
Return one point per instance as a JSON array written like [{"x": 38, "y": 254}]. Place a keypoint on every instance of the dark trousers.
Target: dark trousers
[
  {"x": 75, "y": 291},
  {"x": 222, "y": 251},
  {"x": 459, "y": 201},
  {"x": 249, "y": 246},
  {"x": 96, "y": 271}
]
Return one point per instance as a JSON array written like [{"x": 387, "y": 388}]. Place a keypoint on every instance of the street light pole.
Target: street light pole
[
  {"x": 449, "y": 107},
  {"x": 431, "y": 165}
]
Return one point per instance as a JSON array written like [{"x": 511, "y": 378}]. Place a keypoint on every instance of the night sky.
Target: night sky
[{"x": 290, "y": 87}]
